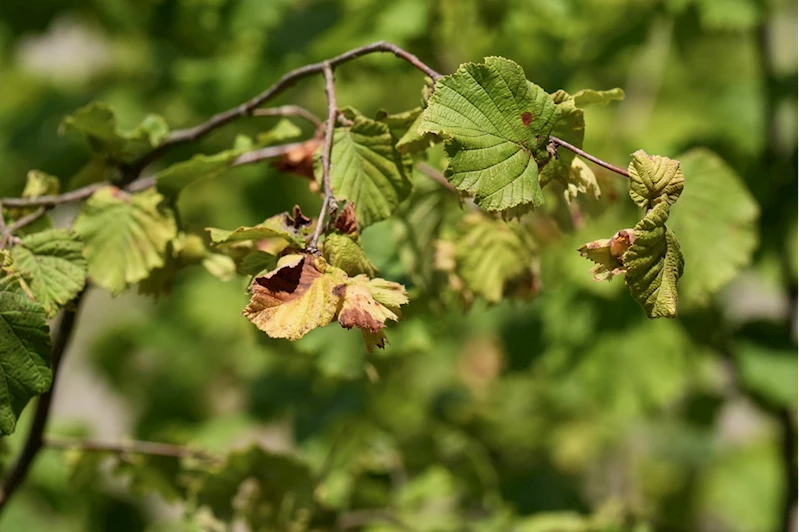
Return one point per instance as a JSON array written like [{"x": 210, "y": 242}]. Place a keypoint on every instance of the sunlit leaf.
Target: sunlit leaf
[
  {"x": 367, "y": 170},
  {"x": 654, "y": 264},
  {"x": 292, "y": 229},
  {"x": 125, "y": 236},
  {"x": 52, "y": 264},
  {"x": 497, "y": 127},
  {"x": 297, "y": 297},
  {"x": 654, "y": 179},
  {"x": 343, "y": 251}
]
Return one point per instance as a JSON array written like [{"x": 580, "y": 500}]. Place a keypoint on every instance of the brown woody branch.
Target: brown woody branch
[
  {"x": 329, "y": 200},
  {"x": 33, "y": 444},
  {"x": 181, "y": 136},
  {"x": 588, "y": 156},
  {"x": 140, "y": 184}
]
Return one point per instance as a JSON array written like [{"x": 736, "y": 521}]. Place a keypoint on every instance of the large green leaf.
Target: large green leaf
[
  {"x": 98, "y": 123},
  {"x": 497, "y": 126},
  {"x": 654, "y": 264},
  {"x": 717, "y": 223},
  {"x": 52, "y": 264},
  {"x": 24, "y": 356},
  {"x": 367, "y": 170},
  {"x": 125, "y": 236},
  {"x": 272, "y": 491}
]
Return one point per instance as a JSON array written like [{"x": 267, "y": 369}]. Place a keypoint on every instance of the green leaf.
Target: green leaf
[
  {"x": 654, "y": 264},
  {"x": 342, "y": 251},
  {"x": 769, "y": 372},
  {"x": 367, "y": 170},
  {"x": 654, "y": 179},
  {"x": 257, "y": 262},
  {"x": 497, "y": 127},
  {"x": 717, "y": 221},
  {"x": 291, "y": 229},
  {"x": 180, "y": 175},
  {"x": 40, "y": 184},
  {"x": 52, "y": 264},
  {"x": 297, "y": 297},
  {"x": 24, "y": 356},
  {"x": 270, "y": 491},
  {"x": 493, "y": 259},
  {"x": 125, "y": 236},
  {"x": 148, "y": 474},
  {"x": 284, "y": 131},
  {"x": 98, "y": 123},
  {"x": 587, "y": 97}
]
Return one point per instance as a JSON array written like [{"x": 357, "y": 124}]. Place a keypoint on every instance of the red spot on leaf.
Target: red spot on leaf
[{"x": 527, "y": 118}]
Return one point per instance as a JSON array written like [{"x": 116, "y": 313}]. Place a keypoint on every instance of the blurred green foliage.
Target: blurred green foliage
[{"x": 571, "y": 412}]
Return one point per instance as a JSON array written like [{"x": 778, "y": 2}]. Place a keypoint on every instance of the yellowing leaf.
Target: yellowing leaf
[
  {"x": 367, "y": 304},
  {"x": 125, "y": 236},
  {"x": 654, "y": 179},
  {"x": 297, "y": 297},
  {"x": 292, "y": 229},
  {"x": 52, "y": 264},
  {"x": 607, "y": 254},
  {"x": 654, "y": 264}
]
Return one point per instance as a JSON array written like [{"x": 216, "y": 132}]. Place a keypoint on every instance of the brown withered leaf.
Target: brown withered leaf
[
  {"x": 367, "y": 304},
  {"x": 607, "y": 254},
  {"x": 300, "y": 160},
  {"x": 298, "y": 296},
  {"x": 346, "y": 221}
]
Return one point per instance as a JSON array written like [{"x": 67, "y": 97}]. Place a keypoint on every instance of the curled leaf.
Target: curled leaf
[
  {"x": 367, "y": 304},
  {"x": 654, "y": 179},
  {"x": 607, "y": 254},
  {"x": 654, "y": 264}
]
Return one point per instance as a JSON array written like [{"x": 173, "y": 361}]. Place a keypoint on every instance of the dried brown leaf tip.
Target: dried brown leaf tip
[
  {"x": 368, "y": 304},
  {"x": 346, "y": 221},
  {"x": 295, "y": 298},
  {"x": 300, "y": 160},
  {"x": 297, "y": 219},
  {"x": 607, "y": 254}
]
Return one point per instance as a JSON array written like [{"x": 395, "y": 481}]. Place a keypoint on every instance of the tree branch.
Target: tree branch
[
  {"x": 181, "y": 136},
  {"x": 330, "y": 90},
  {"x": 140, "y": 184},
  {"x": 289, "y": 110},
  {"x": 586, "y": 155},
  {"x": 131, "y": 446},
  {"x": 33, "y": 444}
]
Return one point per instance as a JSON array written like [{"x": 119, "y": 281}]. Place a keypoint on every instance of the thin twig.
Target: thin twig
[
  {"x": 25, "y": 220},
  {"x": 269, "y": 152},
  {"x": 33, "y": 444},
  {"x": 131, "y": 446},
  {"x": 289, "y": 110},
  {"x": 182, "y": 136},
  {"x": 330, "y": 90},
  {"x": 436, "y": 175},
  {"x": 140, "y": 184},
  {"x": 586, "y": 155}
]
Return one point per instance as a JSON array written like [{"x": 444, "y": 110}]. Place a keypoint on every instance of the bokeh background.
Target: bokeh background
[{"x": 571, "y": 412}]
